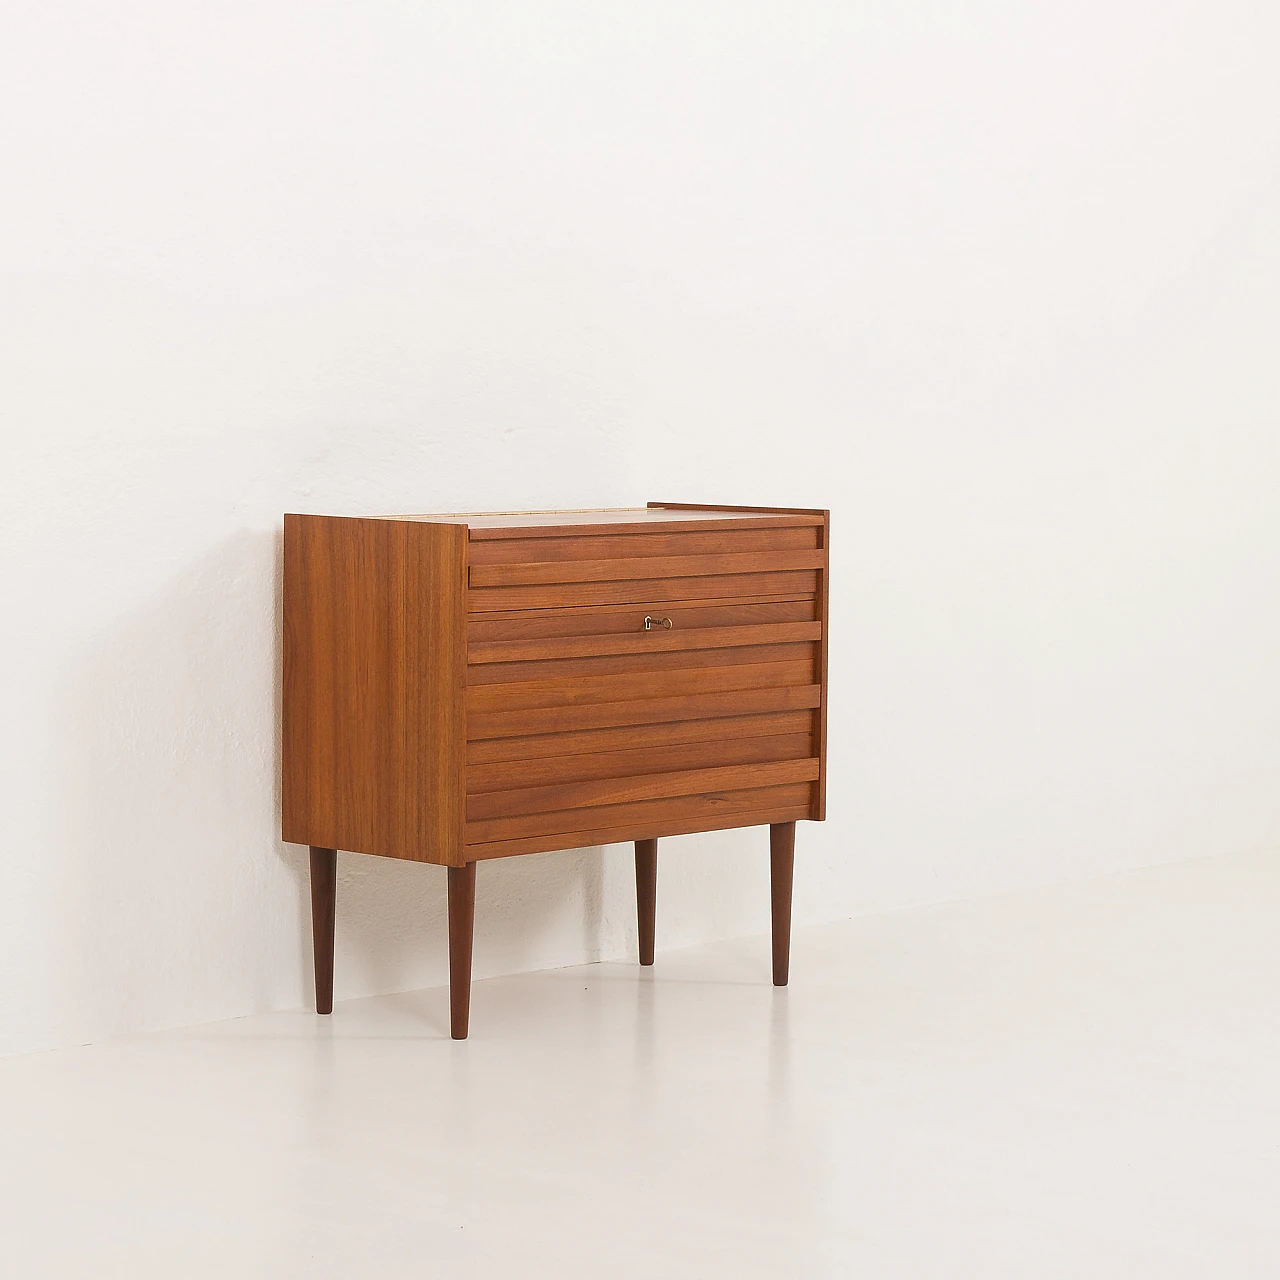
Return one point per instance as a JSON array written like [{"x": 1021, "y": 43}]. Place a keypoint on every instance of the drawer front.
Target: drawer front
[
  {"x": 576, "y": 572},
  {"x": 584, "y": 727},
  {"x": 596, "y": 630}
]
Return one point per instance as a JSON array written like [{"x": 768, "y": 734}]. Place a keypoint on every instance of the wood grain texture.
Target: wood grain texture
[
  {"x": 640, "y": 828},
  {"x": 668, "y": 808},
  {"x": 725, "y": 563},
  {"x": 599, "y": 792},
  {"x": 661, "y": 735},
  {"x": 660, "y": 660},
  {"x": 361, "y": 646},
  {"x": 374, "y": 680},
  {"x": 578, "y": 691},
  {"x": 556, "y": 648},
  {"x": 643, "y": 591},
  {"x": 822, "y": 516},
  {"x": 716, "y": 752},
  {"x": 604, "y": 715},
  {"x": 709, "y": 541}
]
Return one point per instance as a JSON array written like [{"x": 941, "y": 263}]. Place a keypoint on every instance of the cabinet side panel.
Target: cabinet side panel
[
  {"x": 373, "y": 686},
  {"x": 294, "y": 729},
  {"x": 308, "y": 709}
]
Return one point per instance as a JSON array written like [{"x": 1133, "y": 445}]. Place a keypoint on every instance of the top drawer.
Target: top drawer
[{"x": 549, "y": 572}]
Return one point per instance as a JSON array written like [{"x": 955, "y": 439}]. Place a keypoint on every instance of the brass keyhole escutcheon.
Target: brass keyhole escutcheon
[{"x": 650, "y": 623}]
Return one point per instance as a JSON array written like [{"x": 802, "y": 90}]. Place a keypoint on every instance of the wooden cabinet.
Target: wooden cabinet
[{"x": 464, "y": 687}]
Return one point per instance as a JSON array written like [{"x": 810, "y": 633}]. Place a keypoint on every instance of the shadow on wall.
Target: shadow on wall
[{"x": 187, "y": 905}]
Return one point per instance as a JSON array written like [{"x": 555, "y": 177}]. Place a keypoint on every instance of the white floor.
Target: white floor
[{"x": 1076, "y": 1082}]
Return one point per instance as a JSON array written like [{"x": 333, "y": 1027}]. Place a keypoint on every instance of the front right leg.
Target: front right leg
[{"x": 646, "y": 896}]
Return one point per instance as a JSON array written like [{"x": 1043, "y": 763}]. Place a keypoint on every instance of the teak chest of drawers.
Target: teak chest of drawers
[{"x": 465, "y": 687}]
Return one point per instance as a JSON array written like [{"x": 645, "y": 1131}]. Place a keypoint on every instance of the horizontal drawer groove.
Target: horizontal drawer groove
[
  {"x": 631, "y": 762},
  {"x": 626, "y": 546},
  {"x": 642, "y": 590},
  {"x": 656, "y": 641},
  {"x": 610, "y": 791},
  {"x": 589, "y": 744},
  {"x": 725, "y": 563},
  {"x": 515, "y": 673},
  {"x": 637, "y": 685},
  {"x": 567, "y": 821},
  {"x": 603, "y": 715},
  {"x": 640, "y": 828}
]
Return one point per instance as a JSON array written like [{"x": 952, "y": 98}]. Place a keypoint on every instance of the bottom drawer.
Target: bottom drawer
[{"x": 640, "y": 820}]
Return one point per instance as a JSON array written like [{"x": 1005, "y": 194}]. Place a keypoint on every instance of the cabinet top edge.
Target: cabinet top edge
[{"x": 523, "y": 524}]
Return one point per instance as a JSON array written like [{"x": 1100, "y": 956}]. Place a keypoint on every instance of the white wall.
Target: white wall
[{"x": 996, "y": 282}]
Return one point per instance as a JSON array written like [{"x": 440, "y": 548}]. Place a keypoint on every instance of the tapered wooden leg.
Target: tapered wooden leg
[
  {"x": 462, "y": 921},
  {"x": 646, "y": 895},
  {"x": 782, "y": 856},
  {"x": 324, "y": 894}
]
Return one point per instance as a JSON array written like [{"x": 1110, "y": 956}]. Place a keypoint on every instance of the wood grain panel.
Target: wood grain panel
[
  {"x": 725, "y": 563},
  {"x": 636, "y": 685},
  {"x": 618, "y": 663},
  {"x": 603, "y": 715},
  {"x": 638, "y": 829},
  {"x": 624, "y": 546},
  {"x": 602, "y": 792},
  {"x": 631, "y": 816},
  {"x": 378, "y": 617},
  {"x": 642, "y": 642},
  {"x": 374, "y": 673},
  {"x": 818, "y": 808},
  {"x": 663, "y": 735},
  {"x": 509, "y": 775},
  {"x": 627, "y": 619},
  {"x": 566, "y": 595}
]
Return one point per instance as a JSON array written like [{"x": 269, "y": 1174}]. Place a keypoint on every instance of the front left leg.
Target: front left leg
[{"x": 462, "y": 919}]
